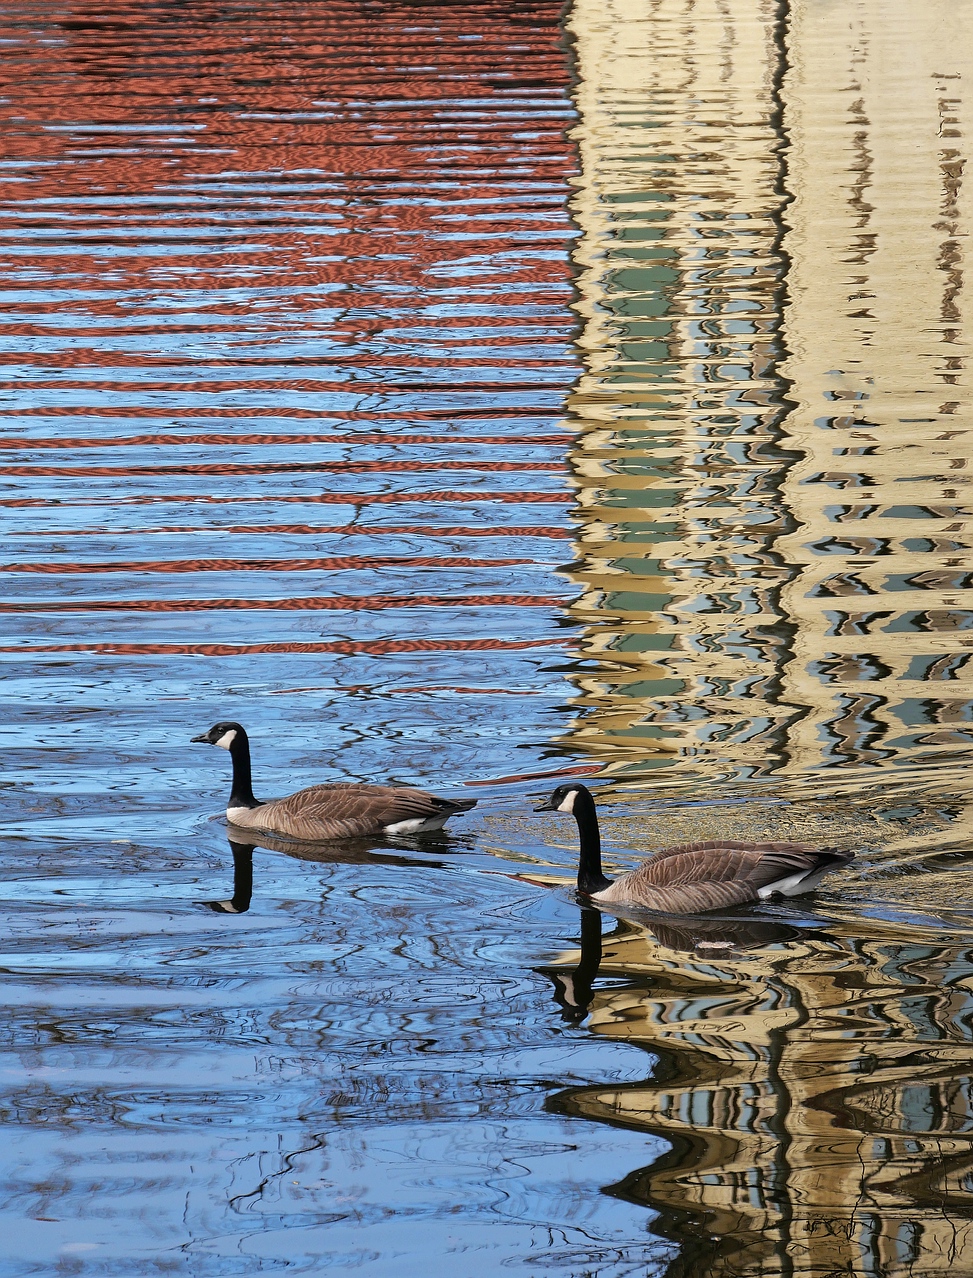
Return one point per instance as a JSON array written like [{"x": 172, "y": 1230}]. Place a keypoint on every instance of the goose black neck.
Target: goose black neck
[
  {"x": 590, "y": 877},
  {"x": 241, "y": 791}
]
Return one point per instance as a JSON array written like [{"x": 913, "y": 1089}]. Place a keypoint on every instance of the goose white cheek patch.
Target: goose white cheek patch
[
  {"x": 567, "y": 803},
  {"x": 226, "y": 740}
]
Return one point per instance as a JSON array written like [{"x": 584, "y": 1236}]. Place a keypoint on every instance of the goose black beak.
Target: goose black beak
[
  {"x": 546, "y": 807},
  {"x": 203, "y": 737}
]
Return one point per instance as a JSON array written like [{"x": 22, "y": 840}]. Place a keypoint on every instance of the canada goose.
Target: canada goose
[
  {"x": 693, "y": 877},
  {"x": 345, "y": 810}
]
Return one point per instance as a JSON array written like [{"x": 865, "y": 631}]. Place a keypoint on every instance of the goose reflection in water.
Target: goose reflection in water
[
  {"x": 330, "y": 852},
  {"x": 239, "y": 902},
  {"x": 813, "y": 1086},
  {"x": 573, "y": 991}
]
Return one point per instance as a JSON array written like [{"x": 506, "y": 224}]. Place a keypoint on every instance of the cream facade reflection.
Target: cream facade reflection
[
  {"x": 678, "y": 204},
  {"x": 720, "y": 527},
  {"x": 816, "y": 1092},
  {"x": 877, "y": 110}
]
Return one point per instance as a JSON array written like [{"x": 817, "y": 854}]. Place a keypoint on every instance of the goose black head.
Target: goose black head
[
  {"x": 563, "y": 798},
  {"x": 222, "y": 734}
]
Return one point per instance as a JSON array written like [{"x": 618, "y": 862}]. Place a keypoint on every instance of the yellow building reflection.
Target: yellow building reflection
[
  {"x": 772, "y": 217},
  {"x": 815, "y": 1090},
  {"x": 878, "y": 125}
]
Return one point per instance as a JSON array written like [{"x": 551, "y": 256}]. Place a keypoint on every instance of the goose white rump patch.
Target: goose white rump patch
[
  {"x": 415, "y": 824},
  {"x": 794, "y": 885}
]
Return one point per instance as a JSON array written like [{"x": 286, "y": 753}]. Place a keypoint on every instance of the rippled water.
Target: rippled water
[{"x": 461, "y": 394}]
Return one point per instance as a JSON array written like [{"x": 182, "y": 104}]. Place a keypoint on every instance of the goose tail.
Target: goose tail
[
  {"x": 818, "y": 863},
  {"x": 836, "y": 857},
  {"x": 443, "y": 809},
  {"x": 455, "y": 805}
]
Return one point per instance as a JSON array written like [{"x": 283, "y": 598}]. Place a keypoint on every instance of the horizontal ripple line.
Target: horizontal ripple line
[
  {"x": 336, "y": 563},
  {"x": 321, "y": 603},
  {"x": 367, "y": 647},
  {"x": 377, "y": 530},
  {"x": 293, "y": 413},
  {"x": 321, "y": 499},
  {"x": 350, "y": 437},
  {"x": 360, "y": 387},
  {"x": 280, "y": 468}
]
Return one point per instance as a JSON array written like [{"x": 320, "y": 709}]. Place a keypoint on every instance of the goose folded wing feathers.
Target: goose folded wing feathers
[
  {"x": 696, "y": 877},
  {"x": 796, "y": 850},
  {"x": 350, "y": 799},
  {"x": 341, "y": 811}
]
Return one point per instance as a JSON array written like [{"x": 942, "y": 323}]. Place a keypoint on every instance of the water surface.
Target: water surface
[{"x": 457, "y": 395}]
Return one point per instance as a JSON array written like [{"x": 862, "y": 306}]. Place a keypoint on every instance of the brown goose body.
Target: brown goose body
[
  {"x": 348, "y": 811},
  {"x": 693, "y": 878},
  {"x": 345, "y": 810}
]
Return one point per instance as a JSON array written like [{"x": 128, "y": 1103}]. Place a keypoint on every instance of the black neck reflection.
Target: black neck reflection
[
  {"x": 573, "y": 991},
  {"x": 239, "y": 902},
  {"x": 380, "y": 850}
]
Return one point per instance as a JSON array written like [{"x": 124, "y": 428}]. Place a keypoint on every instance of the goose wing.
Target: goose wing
[
  {"x": 692, "y": 878},
  {"x": 345, "y": 810}
]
